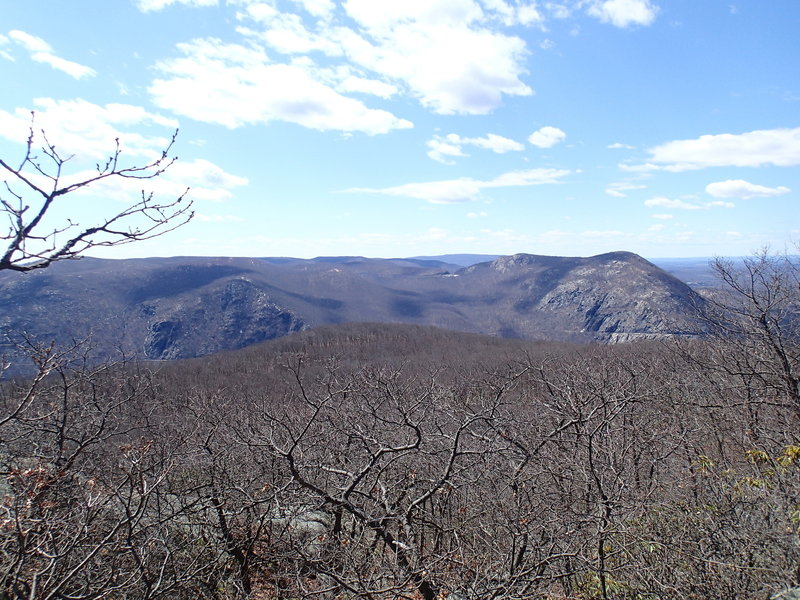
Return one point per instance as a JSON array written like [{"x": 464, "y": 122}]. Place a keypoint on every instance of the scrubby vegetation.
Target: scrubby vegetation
[{"x": 382, "y": 462}]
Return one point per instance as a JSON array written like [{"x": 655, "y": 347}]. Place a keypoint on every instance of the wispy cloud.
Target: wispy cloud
[
  {"x": 679, "y": 204},
  {"x": 5, "y": 54},
  {"x": 451, "y": 145},
  {"x": 155, "y": 5},
  {"x": 618, "y": 189},
  {"x": 778, "y": 147},
  {"x": 40, "y": 51},
  {"x": 467, "y": 189},
  {"x": 623, "y": 13},
  {"x": 739, "y": 188}
]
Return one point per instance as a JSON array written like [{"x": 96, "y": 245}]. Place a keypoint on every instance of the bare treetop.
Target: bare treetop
[{"x": 31, "y": 189}]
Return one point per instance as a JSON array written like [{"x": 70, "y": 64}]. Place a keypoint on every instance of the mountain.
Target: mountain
[
  {"x": 165, "y": 308},
  {"x": 464, "y": 260}
]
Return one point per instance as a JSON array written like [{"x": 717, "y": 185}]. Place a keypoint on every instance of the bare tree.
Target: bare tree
[
  {"x": 756, "y": 324},
  {"x": 34, "y": 186}
]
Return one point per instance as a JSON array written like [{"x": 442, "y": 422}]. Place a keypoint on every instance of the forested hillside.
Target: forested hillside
[{"x": 395, "y": 461}]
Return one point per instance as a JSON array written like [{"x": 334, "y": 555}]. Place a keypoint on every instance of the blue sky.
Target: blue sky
[{"x": 389, "y": 128}]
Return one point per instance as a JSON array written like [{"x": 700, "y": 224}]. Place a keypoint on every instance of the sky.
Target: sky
[{"x": 395, "y": 128}]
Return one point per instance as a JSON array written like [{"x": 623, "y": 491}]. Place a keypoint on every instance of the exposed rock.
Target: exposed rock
[{"x": 161, "y": 342}]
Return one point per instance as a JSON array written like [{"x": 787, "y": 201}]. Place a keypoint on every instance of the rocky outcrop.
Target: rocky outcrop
[{"x": 226, "y": 317}]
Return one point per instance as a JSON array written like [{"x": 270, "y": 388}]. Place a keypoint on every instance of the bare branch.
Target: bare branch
[{"x": 32, "y": 245}]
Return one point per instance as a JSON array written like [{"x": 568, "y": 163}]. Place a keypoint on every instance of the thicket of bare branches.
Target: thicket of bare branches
[
  {"x": 758, "y": 317},
  {"x": 624, "y": 472}
]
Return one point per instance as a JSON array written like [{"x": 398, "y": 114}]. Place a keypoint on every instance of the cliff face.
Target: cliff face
[
  {"x": 185, "y": 307},
  {"x": 622, "y": 296},
  {"x": 226, "y": 317}
]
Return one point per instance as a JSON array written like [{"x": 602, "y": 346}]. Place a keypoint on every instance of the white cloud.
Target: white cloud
[
  {"x": 496, "y": 143},
  {"x": 661, "y": 202},
  {"x": 206, "y": 180},
  {"x": 319, "y": 8},
  {"x": 451, "y": 69},
  {"x": 88, "y": 130},
  {"x": 381, "y": 16},
  {"x": 529, "y": 177},
  {"x": 435, "y": 192},
  {"x": 620, "y": 146},
  {"x": 739, "y": 188},
  {"x": 476, "y": 215},
  {"x": 31, "y": 43},
  {"x": 779, "y": 147},
  {"x": 467, "y": 189},
  {"x": 40, "y": 51},
  {"x": 623, "y": 13},
  {"x": 443, "y": 52},
  {"x": 656, "y": 227},
  {"x": 5, "y": 54},
  {"x": 153, "y": 5},
  {"x": 558, "y": 11},
  {"x": 662, "y": 216},
  {"x": 73, "y": 69},
  {"x": 442, "y": 147},
  {"x": 618, "y": 189},
  {"x": 367, "y": 86},
  {"x": 259, "y": 12},
  {"x": 234, "y": 85},
  {"x": 547, "y": 137},
  {"x": 518, "y": 14},
  {"x": 528, "y": 15},
  {"x": 287, "y": 33}
]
